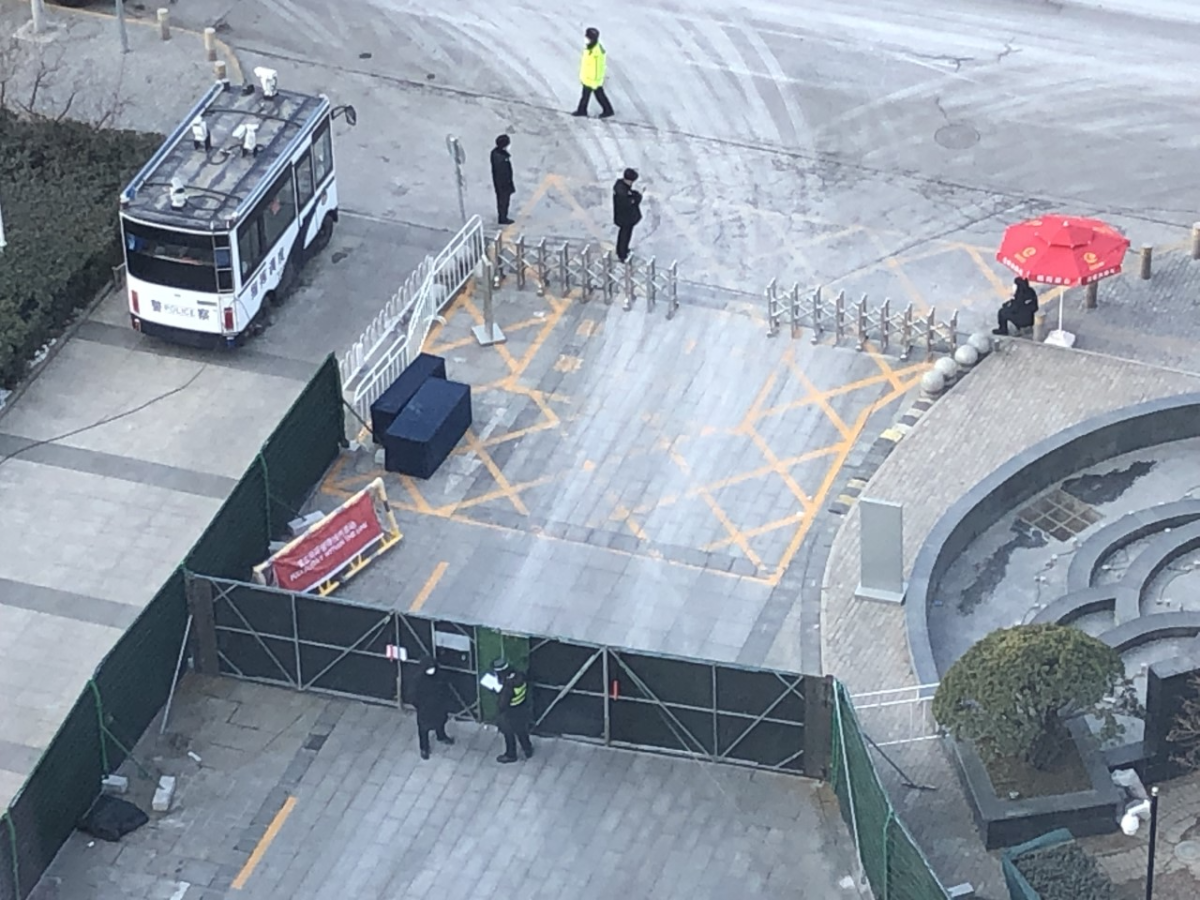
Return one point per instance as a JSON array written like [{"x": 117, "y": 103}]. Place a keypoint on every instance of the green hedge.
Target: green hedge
[{"x": 59, "y": 183}]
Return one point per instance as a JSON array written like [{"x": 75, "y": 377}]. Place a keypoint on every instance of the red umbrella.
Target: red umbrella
[
  {"x": 1066, "y": 250},
  {"x": 1063, "y": 250}
]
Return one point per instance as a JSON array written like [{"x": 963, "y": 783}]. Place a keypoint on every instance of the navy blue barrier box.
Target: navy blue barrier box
[
  {"x": 428, "y": 428},
  {"x": 403, "y": 389}
]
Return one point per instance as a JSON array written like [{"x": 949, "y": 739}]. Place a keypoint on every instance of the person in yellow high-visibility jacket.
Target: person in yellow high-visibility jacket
[{"x": 591, "y": 73}]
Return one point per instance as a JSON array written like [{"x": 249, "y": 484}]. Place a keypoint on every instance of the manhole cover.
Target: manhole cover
[
  {"x": 957, "y": 136},
  {"x": 1188, "y": 852},
  {"x": 1059, "y": 515}
]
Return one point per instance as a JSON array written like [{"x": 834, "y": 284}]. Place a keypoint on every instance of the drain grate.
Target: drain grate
[{"x": 1060, "y": 515}]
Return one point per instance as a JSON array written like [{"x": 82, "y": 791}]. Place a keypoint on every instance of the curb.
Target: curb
[{"x": 236, "y": 75}]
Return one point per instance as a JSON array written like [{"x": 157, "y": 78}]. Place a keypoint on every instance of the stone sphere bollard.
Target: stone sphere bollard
[
  {"x": 948, "y": 369},
  {"x": 966, "y": 356},
  {"x": 982, "y": 342},
  {"x": 932, "y": 383}
]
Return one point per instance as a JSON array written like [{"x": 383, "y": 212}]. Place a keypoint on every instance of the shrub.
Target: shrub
[
  {"x": 59, "y": 183},
  {"x": 1065, "y": 872},
  {"x": 1012, "y": 692}
]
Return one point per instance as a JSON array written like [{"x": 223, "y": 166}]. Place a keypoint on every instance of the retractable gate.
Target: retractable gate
[{"x": 763, "y": 718}]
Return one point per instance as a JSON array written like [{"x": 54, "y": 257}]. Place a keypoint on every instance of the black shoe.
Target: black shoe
[
  {"x": 607, "y": 115},
  {"x": 579, "y": 113},
  {"x": 503, "y": 758},
  {"x": 506, "y": 222},
  {"x": 529, "y": 753},
  {"x": 445, "y": 739},
  {"x": 1000, "y": 331},
  {"x": 424, "y": 754}
]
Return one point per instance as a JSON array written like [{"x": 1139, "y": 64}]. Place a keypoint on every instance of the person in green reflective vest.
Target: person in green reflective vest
[
  {"x": 591, "y": 72},
  {"x": 515, "y": 712}
]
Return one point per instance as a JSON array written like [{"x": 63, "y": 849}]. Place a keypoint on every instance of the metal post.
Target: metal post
[
  {"x": 1090, "y": 296},
  {"x": 794, "y": 311},
  {"x": 1147, "y": 253},
  {"x": 564, "y": 267},
  {"x": 489, "y": 332},
  {"x": 1196, "y": 241},
  {"x": 609, "y": 281},
  {"x": 38, "y": 9},
  {"x": 521, "y": 262},
  {"x": 818, "y": 328},
  {"x": 164, "y": 23},
  {"x": 862, "y": 322},
  {"x": 1039, "y": 326},
  {"x": 459, "y": 156},
  {"x": 930, "y": 326},
  {"x": 772, "y": 310},
  {"x": 906, "y": 332},
  {"x": 3, "y": 242},
  {"x": 628, "y": 286},
  {"x": 586, "y": 272},
  {"x": 651, "y": 284},
  {"x": 543, "y": 271},
  {"x": 673, "y": 282},
  {"x": 1153, "y": 837},
  {"x": 954, "y": 331},
  {"x": 121, "y": 27},
  {"x": 885, "y": 323},
  {"x": 187, "y": 631},
  {"x": 607, "y": 695},
  {"x": 839, "y": 316},
  {"x": 498, "y": 255}
]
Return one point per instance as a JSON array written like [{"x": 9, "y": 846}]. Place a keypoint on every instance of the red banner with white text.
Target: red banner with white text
[{"x": 319, "y": 554}]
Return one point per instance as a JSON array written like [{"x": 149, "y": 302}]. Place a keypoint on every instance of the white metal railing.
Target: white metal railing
[
  {"x": 398, "y": 332},
  {"x": 897, "y": 715}
]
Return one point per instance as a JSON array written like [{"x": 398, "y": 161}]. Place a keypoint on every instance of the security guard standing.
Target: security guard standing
[
  {"x": 591, "y": 72},
  {"x": 515, "y": 711},
  {"x": 502, "y": 178}
]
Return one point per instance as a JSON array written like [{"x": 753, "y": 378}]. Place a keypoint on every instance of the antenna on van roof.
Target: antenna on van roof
[
  {"x": 200, "y": 136},
  {"x": 178, "y": 192}
]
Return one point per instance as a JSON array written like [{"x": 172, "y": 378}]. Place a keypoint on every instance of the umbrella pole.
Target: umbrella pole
[{"x": 1062, "y": 300}]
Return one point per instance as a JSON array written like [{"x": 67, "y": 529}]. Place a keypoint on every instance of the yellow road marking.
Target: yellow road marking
[
  {"x": 427, "y": 588},
  {"x": 260, "y": 849},
  {"x": 988, "y": 272}
]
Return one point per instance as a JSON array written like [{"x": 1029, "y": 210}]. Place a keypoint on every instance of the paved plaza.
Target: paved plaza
[
  {"x": 299, "y": 796},
  {"x": 671, "y": 485}
]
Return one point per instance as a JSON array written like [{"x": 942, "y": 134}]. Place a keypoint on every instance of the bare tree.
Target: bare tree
[{"x": 35, "y": 84}]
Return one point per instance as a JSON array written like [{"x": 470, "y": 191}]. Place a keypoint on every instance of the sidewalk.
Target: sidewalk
[
  {"x": 977, "y": 426},
  {"x": 95, "y": 522}
]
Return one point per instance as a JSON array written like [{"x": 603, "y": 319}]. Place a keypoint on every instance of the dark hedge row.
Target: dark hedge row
[{"x": 59, "y": 183}]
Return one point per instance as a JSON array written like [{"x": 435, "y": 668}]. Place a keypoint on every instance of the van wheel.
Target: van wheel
[{"x": 321, "y": 241}]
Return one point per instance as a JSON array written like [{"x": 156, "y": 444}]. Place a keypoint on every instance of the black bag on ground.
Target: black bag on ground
[{"x": 111, "y": 818}]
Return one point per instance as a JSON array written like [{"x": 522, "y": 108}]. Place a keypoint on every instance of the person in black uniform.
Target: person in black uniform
[
  {"x": 515, "y": 711},
  {"x": 627, "y": 211},
  {"x": 432, "y": 699},
  {"x": 1019, "y": 310},
  {"x": 502, "y": 178}
]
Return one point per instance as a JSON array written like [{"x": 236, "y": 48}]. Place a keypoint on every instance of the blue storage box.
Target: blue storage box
[{"x": 428, "y": 428}]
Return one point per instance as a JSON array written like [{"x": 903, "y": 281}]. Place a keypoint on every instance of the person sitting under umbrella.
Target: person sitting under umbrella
[{"x": 1019, "y": 310}]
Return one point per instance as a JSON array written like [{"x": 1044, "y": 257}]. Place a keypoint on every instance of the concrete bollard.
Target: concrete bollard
[
  {"x": 1039, "y": 326},
  {"x": 219, "y": 70},
  {"x": 1147, "y": 253},
  {"x": 1089, "y": 298},
  {"x": 982, "y": 342},
  {"x": 37, "y": 9},
  {"x": 210, "y": 44},
  {"x": 948, "y": 369},
  {"x": 966, "y": 356},
  {"x": 1196, "y": 241},
  {"x": 164, "y": 23},
  {"x": 932, "y": 383}
]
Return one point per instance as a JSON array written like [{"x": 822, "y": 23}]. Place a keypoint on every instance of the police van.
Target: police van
[{"x": 222, "y": 218}]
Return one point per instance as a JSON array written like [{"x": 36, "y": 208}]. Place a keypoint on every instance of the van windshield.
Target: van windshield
[{"x": 175, "y": 259}]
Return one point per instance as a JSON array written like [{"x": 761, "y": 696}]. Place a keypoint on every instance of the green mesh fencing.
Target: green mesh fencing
[
  {"x": 304, "y": 445},
  {"x": 237, "y": 538},
  {"x": 278, "y": 481},
  {"x": 134, "y": 679},
  {"x": 57, "y": 793},
  {"x": 891, "y": 860}
]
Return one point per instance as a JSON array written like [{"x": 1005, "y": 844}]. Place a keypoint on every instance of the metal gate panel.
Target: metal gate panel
[
  {"x": 568, "y": 686},
  {"x": 255, "y": 633}
]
